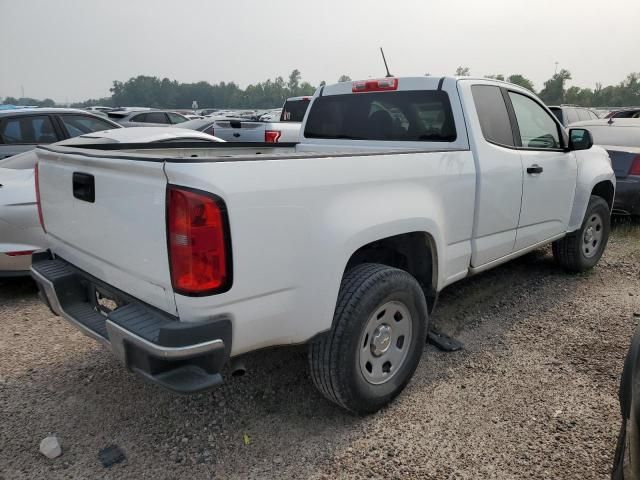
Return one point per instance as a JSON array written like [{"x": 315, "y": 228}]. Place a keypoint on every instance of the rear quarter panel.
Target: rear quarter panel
[{"x": 295, "y": 223}]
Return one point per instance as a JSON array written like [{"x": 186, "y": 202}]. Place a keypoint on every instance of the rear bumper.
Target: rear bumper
[
  {"x": 627, "y": 200},
  {"x": 17, "y": 266},
  {"x": 183, "y": 357}
]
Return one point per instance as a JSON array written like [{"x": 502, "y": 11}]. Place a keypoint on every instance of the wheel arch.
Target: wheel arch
[
  {"x": 602, "y": 186},
  {"x": 606, "y": 190},
  {"x": 414, "y": 252}
]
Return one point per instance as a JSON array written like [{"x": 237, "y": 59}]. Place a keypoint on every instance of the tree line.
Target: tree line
[
  {"x": 554, "y": 91},
  {"x": 148, "y": 91}
]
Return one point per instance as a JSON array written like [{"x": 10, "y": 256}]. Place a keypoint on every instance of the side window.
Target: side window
[
  {"x": 593, "y": 115},
  {"x": 492, "y": 111},
  {"x": 156, "y": 117},
  {"x": 572, "y": 116},
  {"x": 31, "y": 129},
  {"x": 139, "y": 118},
  {"x": 175, "y": 118},
  {"x": 79, "y": 124},
  {"x": 537, "y": 128}
]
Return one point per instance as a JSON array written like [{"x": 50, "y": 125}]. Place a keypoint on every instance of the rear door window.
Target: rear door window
[
  {"x": 175, "y": 118},
  {"x": 493, "y": 115},
  {"x": 412, "y": 116},
  {"x": 29, "y": 129},
  {"x": 156, "y": 117}
]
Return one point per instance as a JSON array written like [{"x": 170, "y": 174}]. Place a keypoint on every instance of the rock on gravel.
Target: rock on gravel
[{"x": 50, "y": 447}]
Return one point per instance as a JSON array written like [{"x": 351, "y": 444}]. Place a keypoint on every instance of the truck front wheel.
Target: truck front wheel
[
  {"x": 581, "y": 250},
  {"x": 375, "y": 344}
]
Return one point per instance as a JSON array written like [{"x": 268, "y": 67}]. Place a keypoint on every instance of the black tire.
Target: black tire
[
  {"x": 334, "y": 359},
  {"x": 627, "y": 444},
  {"x": 569, "y": 251}
]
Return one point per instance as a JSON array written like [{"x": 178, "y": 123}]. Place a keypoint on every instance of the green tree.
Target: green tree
[
  {"x": 520, "y": 80},
  {"x": 294, "y": 81},
  {"x": 463, "y": 72},
  {"x": 553, "y": 91},
  {"x": 344, "y": 78},
  {"x": 23, "y": 101},
  {"x": 498, "y": 76}
]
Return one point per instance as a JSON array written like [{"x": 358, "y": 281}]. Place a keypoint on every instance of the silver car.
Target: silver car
[
  {"x": 23, "y": 129},
  {"x": 146, "y": 118}
]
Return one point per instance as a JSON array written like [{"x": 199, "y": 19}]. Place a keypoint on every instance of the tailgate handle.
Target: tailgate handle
[{"x": 84, "y": 187}]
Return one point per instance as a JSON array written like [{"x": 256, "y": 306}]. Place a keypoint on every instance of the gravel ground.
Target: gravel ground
[{"x": 532, "y": 395}]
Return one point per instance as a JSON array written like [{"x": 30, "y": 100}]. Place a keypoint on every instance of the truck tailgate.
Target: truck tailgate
[
  {"x": 239, "y": 131},
  {"x": 105, "y": 214}
]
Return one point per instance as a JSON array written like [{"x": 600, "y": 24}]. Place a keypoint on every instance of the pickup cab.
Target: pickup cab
[
  {"x": 285, "y": 131},
  {"x": 181, "y": 258}
]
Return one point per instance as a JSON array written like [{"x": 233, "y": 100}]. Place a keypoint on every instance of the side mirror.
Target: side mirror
[{"x": 580, "y": 139}]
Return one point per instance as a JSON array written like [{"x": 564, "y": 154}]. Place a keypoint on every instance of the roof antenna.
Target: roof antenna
[{"x": 385, "y": 63}]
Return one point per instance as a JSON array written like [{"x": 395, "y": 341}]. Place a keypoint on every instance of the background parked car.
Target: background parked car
[
  {"x": 624, "y": 113},
  {"x": 621, "y": 138},
  {"x": 205, "y": 124},
  {"x": 20, "y": 231},
  {"x": 627, "y": 458},
  {"x": 146, "y": 118},
  {"x": 99, "y": 110},
  {"x": 570, "y": 114},
  {"x": 23, "y": 129}
]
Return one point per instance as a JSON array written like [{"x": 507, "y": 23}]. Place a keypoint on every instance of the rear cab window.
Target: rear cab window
[
  {"x": 406, "y": 115},
  {"x": 294, "y": 110}
]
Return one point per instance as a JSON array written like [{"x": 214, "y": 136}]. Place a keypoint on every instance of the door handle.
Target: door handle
[{"x": 533, "y": 169}]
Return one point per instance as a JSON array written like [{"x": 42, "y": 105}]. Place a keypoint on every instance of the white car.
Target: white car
[
  {"x": 398, "y": 188},
  {"x": 20, "y": 232}
]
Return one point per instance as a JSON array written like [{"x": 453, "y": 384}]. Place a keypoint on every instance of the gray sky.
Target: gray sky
[{"x": 74, "y": 49}]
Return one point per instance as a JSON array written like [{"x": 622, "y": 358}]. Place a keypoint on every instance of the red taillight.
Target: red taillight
[
  {"x": 198, "y": 238},
  {"x": 37, "y": 181},
  {"x": 380, "y": 85},
  {"x": 20, "y": 253},
  {"x": 272, "y": 136},
  {"x": 635, "y": 166}
]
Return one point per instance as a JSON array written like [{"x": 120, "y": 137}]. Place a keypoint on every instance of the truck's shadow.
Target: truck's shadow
[{"x": 91, "y": 401}]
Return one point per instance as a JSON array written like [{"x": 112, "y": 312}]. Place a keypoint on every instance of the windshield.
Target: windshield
[{"x": 417, "y": 115}]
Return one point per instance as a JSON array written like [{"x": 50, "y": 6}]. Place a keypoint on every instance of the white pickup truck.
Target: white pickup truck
[
  {"x": 287, "y": 130},
  {"x": 180, "y": 259}
]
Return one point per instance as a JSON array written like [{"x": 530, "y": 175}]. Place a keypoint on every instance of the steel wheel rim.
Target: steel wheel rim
[
  {"x": 385, "y": 342},
  {"x": 592, "y": 235}
]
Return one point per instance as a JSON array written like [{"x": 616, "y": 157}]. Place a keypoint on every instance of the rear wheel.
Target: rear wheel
[
  {"x": 581, "y": 250},
  {"x": 376, "y": 341}
]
